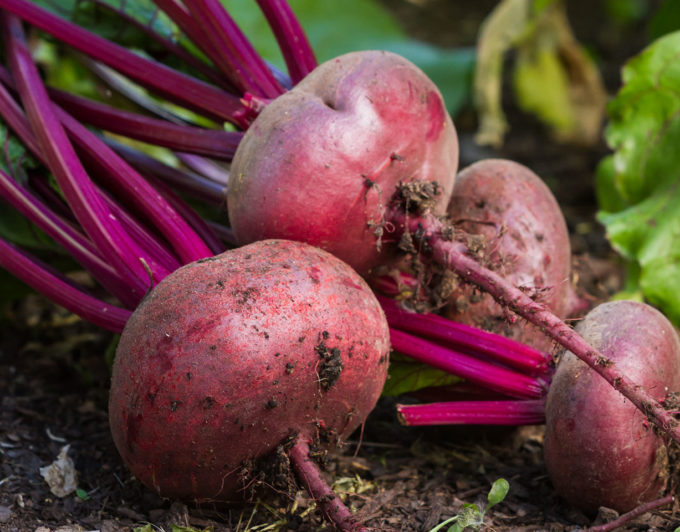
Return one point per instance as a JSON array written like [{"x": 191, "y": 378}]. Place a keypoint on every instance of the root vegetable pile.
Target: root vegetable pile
[{"x": 277, "y": 348}]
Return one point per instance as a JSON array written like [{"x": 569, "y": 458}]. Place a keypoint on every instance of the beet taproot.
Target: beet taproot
[
  {"x": 599, "y": 449},
  {"x": 336, "y": 146},
  {"x": 230, "y": 357},
  {"x": 521, "y": 233}
]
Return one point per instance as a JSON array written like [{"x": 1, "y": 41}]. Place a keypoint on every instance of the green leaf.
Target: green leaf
[
  {"x": 497, "y": 493},
  {"x": 406, "y": 375},
  {"x": 639, "y": 186},
  {"x": 108, "y": 24},
  {"x": 644, "y": 125},
  {"x": 82, "y": 494},
  {"x": 665, "y": 20}
]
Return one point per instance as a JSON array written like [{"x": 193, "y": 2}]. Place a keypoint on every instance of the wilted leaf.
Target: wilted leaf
[
  {"x": 61, "y": 475},
  {"x": 554, "y": 77}
]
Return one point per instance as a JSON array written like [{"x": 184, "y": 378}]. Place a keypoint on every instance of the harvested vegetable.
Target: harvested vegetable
[
  {"x": 599, "y": 449},
  {"x": 274, "y": 345},
  {"x": 521, "y": 234},
  {"x": 337, "y": 146}
]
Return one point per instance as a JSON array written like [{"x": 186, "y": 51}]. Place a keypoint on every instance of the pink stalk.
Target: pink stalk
[
  {"x": 175, "y": 86},
  {"x": 225, "y": 234},
  {"x": 194, "y": 185},
  {"x": 168, "y": 45},
  {"x": 310, "y": 475},
  {"x": 239, "y": 60},
  {"x": 213, "y": 143},
  {"x": 526, "y": 412},
  {"x": 456, "y": 256},
  {"x": 467, "y": 339},
  {"x": 60, "y": 289},
  {"x": 491, "y": 376},
  {"x": 297, "y": 52},
  {"x": 198, "y": 224},
  {"x": 138, "y": 192},
  {"x": 77, "y": 245},
  {"x": 159, "y": 260},
  {"x": 88, "y": 207},
  {"x": 205, "y": 167}
]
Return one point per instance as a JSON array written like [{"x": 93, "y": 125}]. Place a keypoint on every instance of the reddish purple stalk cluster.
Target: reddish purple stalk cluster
[
  {"x": 116, "y": 213},
  {"x": 111, "y": 227}
]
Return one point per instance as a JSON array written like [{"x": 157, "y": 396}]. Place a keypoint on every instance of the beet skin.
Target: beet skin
[
  {"x": 599, "y": 449},
  {"x": 228, "y": 357},
  {"x": 320, "y": 163},
  {"x": 522, "y": 235}
]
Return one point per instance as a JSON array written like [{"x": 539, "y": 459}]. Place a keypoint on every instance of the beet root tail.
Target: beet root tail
[{"x": 310, "y": 476}]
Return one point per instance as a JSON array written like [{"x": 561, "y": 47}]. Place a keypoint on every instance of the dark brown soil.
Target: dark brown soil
[{"x": 54, "y": 380}]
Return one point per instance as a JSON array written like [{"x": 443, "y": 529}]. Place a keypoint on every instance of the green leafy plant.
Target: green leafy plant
[
  {"x": 638, "y": 186},
  {"x": 472, "y": 516}
]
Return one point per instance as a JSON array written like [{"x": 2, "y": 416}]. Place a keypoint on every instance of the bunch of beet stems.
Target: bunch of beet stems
[
  {"x": 128, "y": 228},
  {"x": 107, "y": 230}
]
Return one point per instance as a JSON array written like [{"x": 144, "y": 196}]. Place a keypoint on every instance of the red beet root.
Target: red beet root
[
  {"x": 229, "y": 358},
  {"x": 524, "y": 238},
  {"x": 364, "y": 122},
  {"x": 599, "y": 449}
]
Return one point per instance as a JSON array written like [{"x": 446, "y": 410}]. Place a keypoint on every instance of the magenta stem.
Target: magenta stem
[
  {"x": 127, "y": 182},
  {"x": 205, "y": 167},
  {"x": 456, "y": 256},
  {"x": 468, "y": 339},
  {"x": 526, "y": 412},
  {"x": 101, "y": 226},
  {"x": 60, "y": 289},
  {"x": 309, "y": 474},
  {"x": 198, "y": 224},
  {"x": 193, "y": 184},
  {"x": 180, "y": 88},
  {"x": 472, "y": 369},
  {"x": 169, "y": 45},
  {"x": 238, "y": 59},
  {"x": 208, "y": 142},
  {"x": 77, "y": 245},
  {"x": 297, "y": 52}
]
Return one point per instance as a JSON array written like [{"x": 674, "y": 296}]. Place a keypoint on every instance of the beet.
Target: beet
[
  {"x": 232, "y": 357},
  {"x": 364, "y": 122},
  {"x": 599, "y": 449},
  {"x": 521, "y": 232}
]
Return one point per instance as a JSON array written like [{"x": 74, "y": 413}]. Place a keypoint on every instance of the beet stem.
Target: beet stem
[
  {"x": 522, "y": 412},
  {"x": 297, "y": 52},
  {"x": 238, "y": 60},
  {"x": 310, "y": 475},
  {"x": 97, "y": 221},
  {"x": 471, "y": 340},
  {"x": 52, "y": 284},
  {"x": 180, "y": 88},
  {"x": 485, "y": 374},
  {"x": 629, "y": 516},
  {"x": 456, "y": 256},
  {"x": 213, "y": 143}
]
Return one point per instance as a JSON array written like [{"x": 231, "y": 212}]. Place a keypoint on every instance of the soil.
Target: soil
[{"x": 54, "y": 379}]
